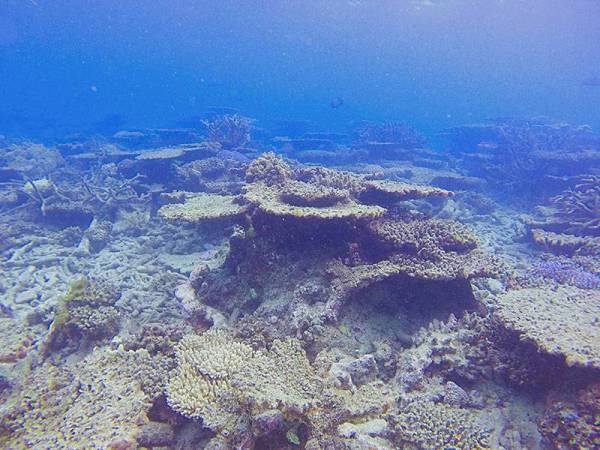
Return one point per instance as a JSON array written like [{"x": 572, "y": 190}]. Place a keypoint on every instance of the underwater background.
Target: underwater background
[
  {"x": 321, "y": 225},
  {"x": 67, "y": 66}
]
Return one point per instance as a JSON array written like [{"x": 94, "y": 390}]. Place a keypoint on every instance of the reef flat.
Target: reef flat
[{"x": 206, "y": 289}]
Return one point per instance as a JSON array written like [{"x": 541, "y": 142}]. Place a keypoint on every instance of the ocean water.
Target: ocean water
[{"x": 345, "y": 224}]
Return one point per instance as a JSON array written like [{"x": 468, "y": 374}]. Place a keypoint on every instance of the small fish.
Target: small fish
[
  {"x": 592, "y": 81},
  {"x": 336, "y": 102}
]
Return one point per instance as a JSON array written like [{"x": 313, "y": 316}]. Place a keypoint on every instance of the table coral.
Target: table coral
[
  {"x": 561, "y": 322},
  {"x": 199, "y": 207},
  {"x": 274, "y": 202}
]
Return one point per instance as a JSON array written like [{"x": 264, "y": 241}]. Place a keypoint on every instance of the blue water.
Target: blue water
[{"x": 83, "y": 66}]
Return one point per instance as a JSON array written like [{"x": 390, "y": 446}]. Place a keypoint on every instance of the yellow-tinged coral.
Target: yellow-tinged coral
[
  {"x": 562, "y": 322},
  {"x": 199, "y": 207}
]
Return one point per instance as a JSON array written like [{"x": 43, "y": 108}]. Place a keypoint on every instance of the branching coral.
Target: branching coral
[{"x": 579, "y": 208}]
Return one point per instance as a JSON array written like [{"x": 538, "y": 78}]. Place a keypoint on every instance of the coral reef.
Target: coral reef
[{"x": 98, "y": 403}]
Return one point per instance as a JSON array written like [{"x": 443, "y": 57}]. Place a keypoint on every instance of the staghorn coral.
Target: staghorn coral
[
  {"x": 578, "y": 209},
  {"x": 563, "y": 322},
  {"x": 200, "y": 207}
]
